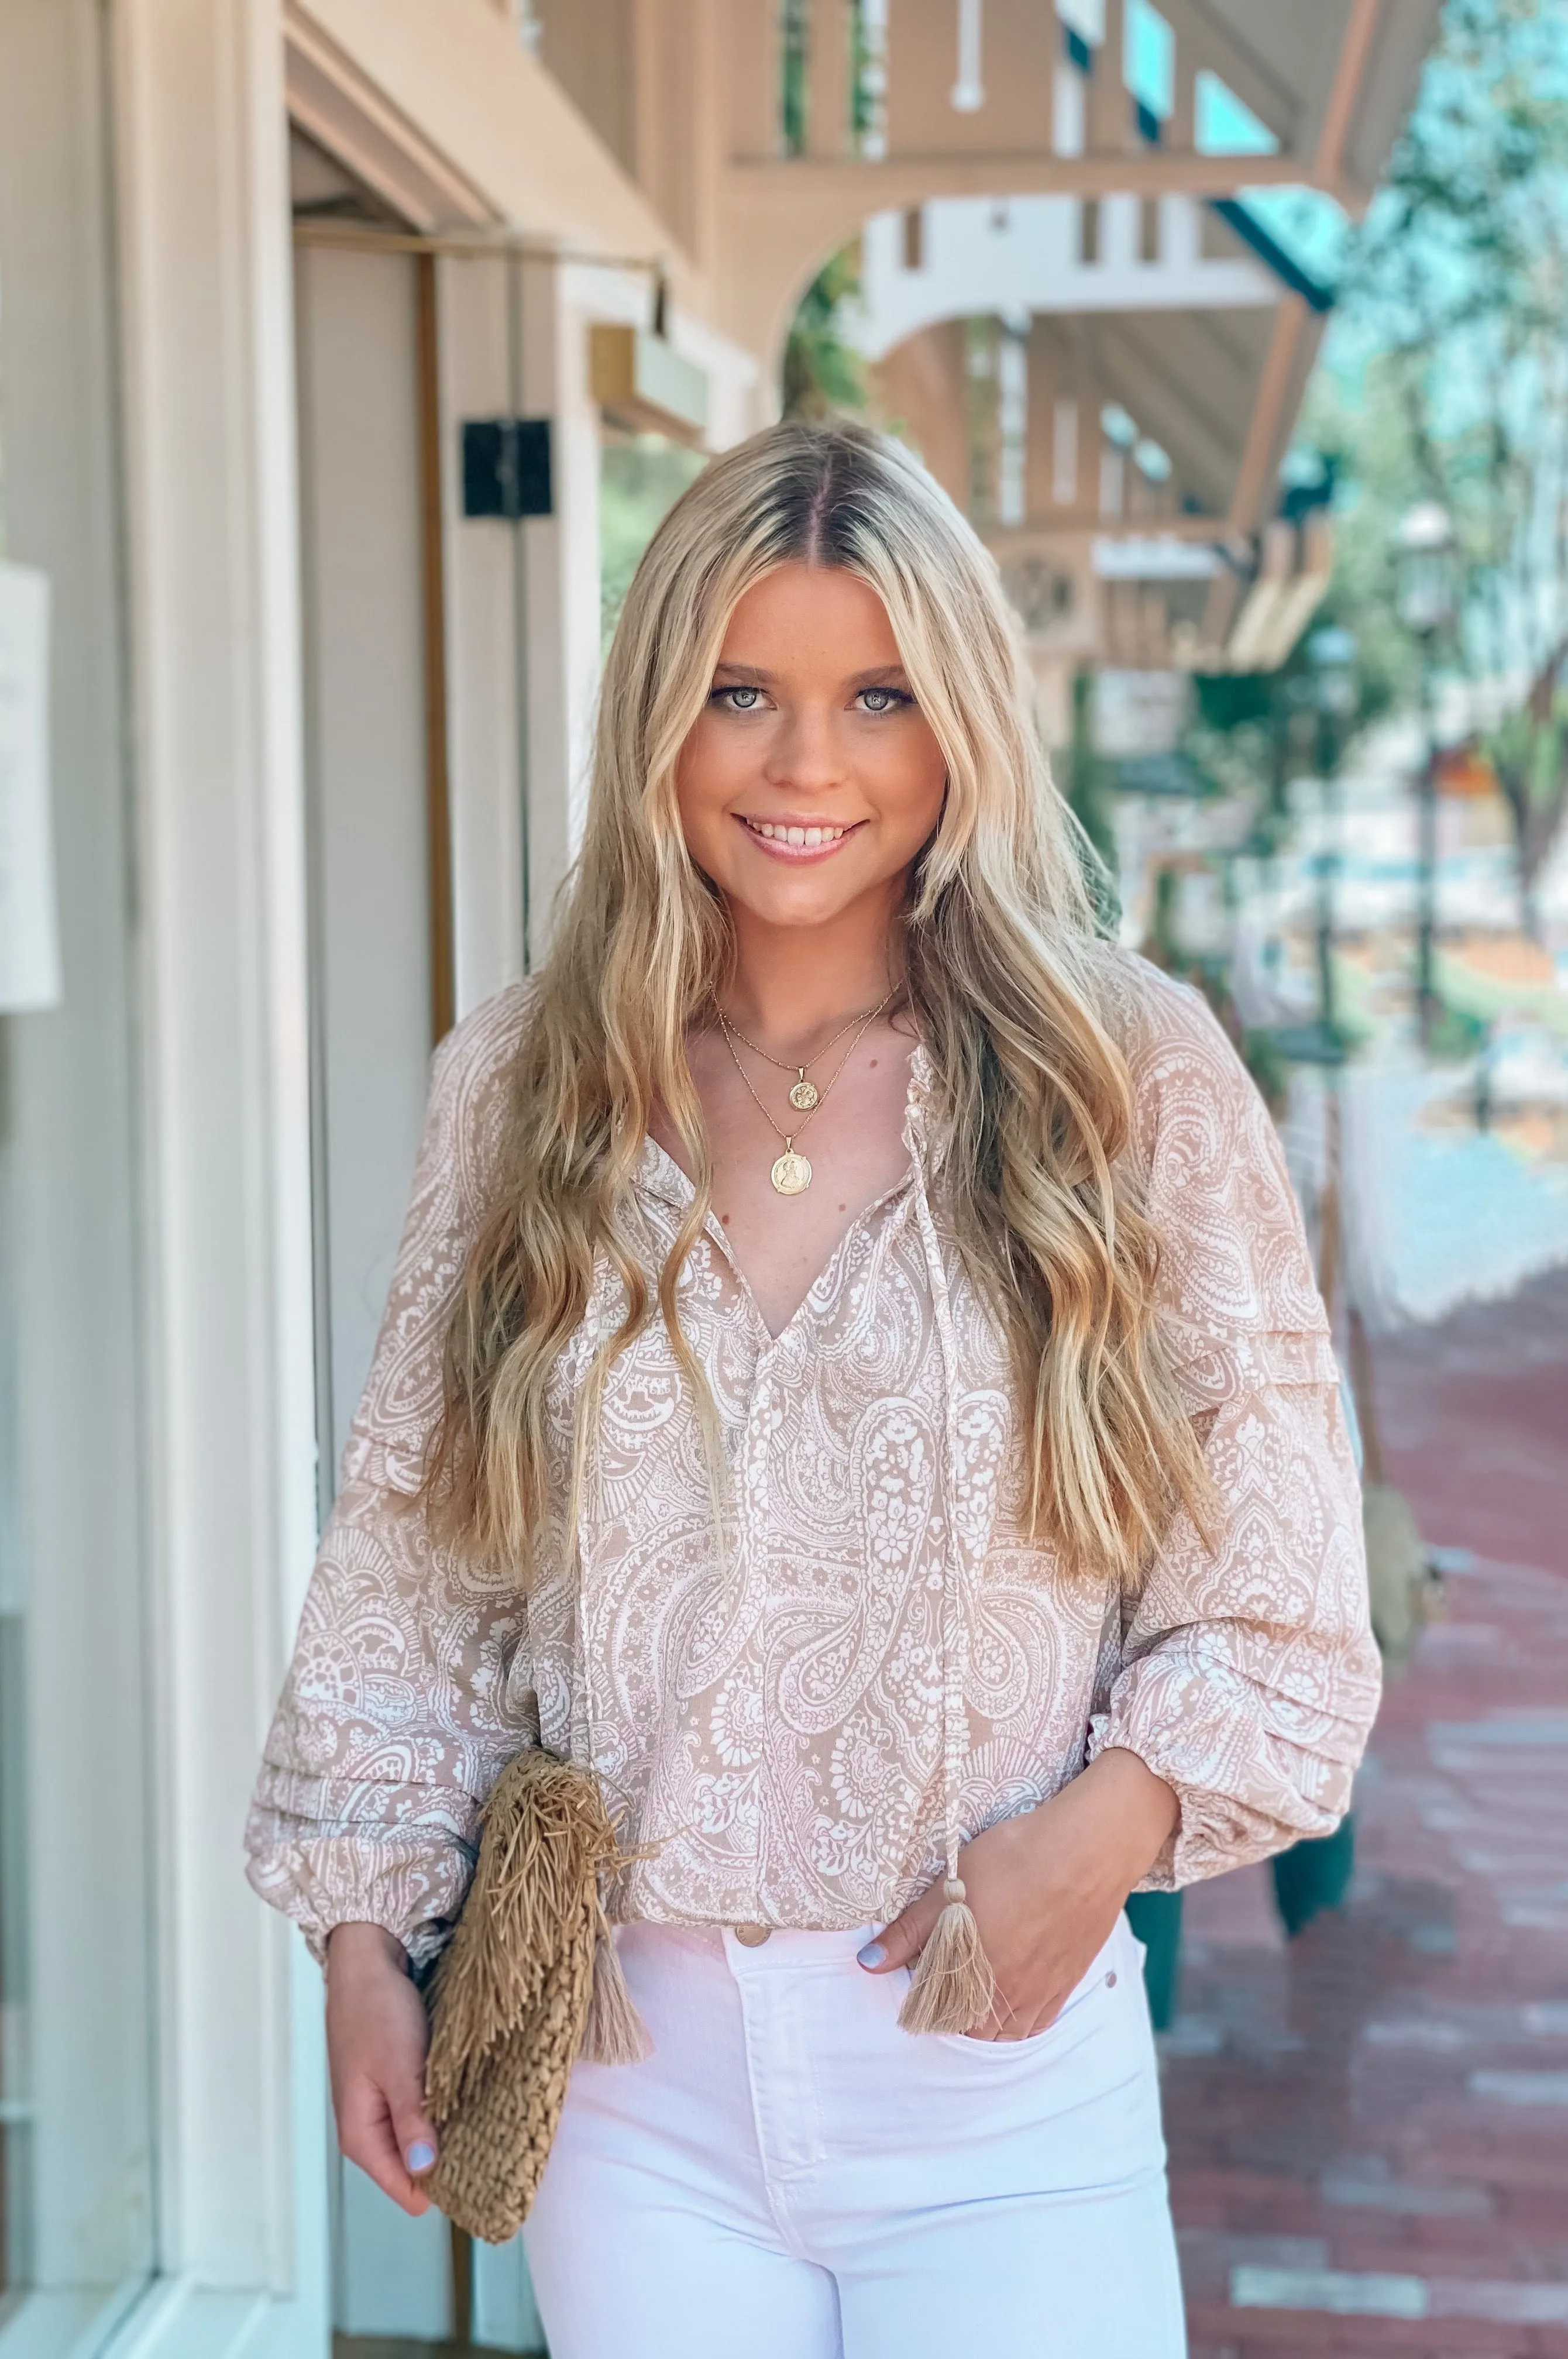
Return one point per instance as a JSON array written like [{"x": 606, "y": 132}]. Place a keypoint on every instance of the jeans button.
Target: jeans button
[{"x": 752, "y": 1936}]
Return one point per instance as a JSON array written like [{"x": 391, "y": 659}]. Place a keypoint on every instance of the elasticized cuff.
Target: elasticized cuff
[
  {"x": 1214, "y": 1830},
  {"x": 413, "y": 1888}
]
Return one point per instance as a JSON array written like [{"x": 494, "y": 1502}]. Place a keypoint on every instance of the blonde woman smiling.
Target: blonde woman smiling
[{"x": 854, "y": 1380}]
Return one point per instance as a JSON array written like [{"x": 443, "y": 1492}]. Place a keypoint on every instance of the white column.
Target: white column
[
  {"x": 561, "y": 623},
  {"x": 483, "y": 650},
  {"x": 209, "y": 446}
]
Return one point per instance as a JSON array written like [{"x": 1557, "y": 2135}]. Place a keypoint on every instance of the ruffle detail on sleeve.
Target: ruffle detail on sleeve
[
  {"x": 1214, "y": 1369},
  {"x": 1287, "y": 1779},
  {"x": 1249, "y": 1677}
]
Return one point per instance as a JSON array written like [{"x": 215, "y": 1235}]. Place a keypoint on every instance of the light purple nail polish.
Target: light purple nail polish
[
  {"x": 421, "y": 2154},
  {"x": 872, "y": 1956}
]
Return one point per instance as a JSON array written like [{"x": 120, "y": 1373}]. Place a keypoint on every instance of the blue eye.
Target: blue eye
[
  {"x": 739, "y": 698},
  {"x": 887, "y": 700}
]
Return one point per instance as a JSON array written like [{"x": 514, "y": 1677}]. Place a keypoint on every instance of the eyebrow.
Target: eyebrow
[{"x": 756, "y": 677}]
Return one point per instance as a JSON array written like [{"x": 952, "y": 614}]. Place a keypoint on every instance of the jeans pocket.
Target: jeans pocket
[{"x": 1101, "y": 1978}]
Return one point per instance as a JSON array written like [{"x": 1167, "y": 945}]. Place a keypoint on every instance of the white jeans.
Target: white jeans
[{"x": 790, "y": 2176}]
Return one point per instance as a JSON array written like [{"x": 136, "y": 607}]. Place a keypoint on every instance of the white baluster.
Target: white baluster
[{"x": 968, "y": 91}]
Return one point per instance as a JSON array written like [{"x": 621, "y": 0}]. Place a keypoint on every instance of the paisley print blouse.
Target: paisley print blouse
[{"x": 764, "y": 1671}]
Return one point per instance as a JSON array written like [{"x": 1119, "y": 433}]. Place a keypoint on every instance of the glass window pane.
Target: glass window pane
[{"x": 76, "y": 2172}]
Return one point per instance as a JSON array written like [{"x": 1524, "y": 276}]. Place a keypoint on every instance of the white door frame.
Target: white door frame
[{"x": 202, "y": 217}]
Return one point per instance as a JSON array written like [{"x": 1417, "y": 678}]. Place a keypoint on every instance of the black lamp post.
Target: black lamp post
[
  {"x": 1332, "y": 655},
  {"x": 1424, "y": 551}
]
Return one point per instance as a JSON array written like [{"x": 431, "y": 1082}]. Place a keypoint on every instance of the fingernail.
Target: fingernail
[
  {"x": 421, "y": 2154},
  {"x": 872, "y": 1956}
]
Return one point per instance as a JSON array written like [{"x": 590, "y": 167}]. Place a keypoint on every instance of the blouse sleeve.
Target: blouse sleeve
[
  {"x": 1248, "y": 1678},
  {"x": 393, "y": 1722}
]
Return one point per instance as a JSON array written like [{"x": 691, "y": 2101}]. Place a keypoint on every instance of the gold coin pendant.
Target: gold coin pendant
[
  {"x": 791, "y": 1173},
  {"x": 803, "y": 1097}
]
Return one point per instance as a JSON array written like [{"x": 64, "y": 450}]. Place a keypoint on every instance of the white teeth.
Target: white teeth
[{"x": 804, "y": 837}]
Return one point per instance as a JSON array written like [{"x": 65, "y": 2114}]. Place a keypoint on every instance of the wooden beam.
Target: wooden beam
[
  {"x": 341, "y": 110},
  {"x": 1289, "y": 347},
  {"x": 749, "y": 31},
  {"x": 475, "y": 92},
  {"x": 898, "y": 182},
  {"x": 1109, "y": 125},
  {"x": 1262, "y": 435},
  {"x": 1349, "y": 77},
  {"x": 1082, "y": 526}
]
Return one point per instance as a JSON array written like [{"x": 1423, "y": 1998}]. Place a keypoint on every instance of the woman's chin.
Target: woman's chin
[
  {"x": 772, "y": 894},
  {"x": 799, "y": 907}
]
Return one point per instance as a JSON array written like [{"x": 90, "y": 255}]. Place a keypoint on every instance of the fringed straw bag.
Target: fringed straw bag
[{"x": 529, "y": 1981}]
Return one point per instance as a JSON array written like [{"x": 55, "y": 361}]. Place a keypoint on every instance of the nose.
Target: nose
[{"x": 805, "y": 754}]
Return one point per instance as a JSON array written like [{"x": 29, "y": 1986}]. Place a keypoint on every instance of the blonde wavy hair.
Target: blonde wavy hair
[{"x": 1003, "y": 976}]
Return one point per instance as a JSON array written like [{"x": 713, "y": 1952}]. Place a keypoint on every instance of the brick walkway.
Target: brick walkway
[{"x": 1369, "y": 2129}]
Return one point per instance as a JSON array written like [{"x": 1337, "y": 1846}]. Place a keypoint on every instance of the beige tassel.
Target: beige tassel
[
  {"x": 954, "y": 1989},
  {"x": 615, "y": 2033}
]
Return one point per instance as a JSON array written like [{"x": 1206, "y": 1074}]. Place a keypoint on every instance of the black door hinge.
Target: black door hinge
[{"x": 506, "y": 467}]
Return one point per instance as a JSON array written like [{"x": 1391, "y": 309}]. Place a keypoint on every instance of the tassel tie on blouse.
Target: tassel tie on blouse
[
  {"x": 953, "y": 1988},
  {"x": 615, "y": 2032}
]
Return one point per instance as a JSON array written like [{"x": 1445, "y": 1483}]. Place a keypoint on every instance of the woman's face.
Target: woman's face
[{"x": 812, "y": 779}]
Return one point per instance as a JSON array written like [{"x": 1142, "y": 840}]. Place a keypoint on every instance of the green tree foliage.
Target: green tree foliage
[
  {"x": 1448, "y": 380},
  {"x": 822, "y": 373},
  {"x": 1529, "y": 755},
  {"x": 1089, "y": 781},
  {"x": 638, "y": 480}
]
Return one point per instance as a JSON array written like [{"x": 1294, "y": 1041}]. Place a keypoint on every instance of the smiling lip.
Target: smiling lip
[{"x": 797, "y": 840}]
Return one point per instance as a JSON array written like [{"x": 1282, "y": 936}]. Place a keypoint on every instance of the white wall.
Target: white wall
[
  {"x": 480, "y": 364},
  {"x": 562, "y": 592},
  {"x": 361, "y": 571}
]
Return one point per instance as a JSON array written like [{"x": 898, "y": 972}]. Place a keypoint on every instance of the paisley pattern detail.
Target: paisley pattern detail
[{"x": 760, "y": 1683}]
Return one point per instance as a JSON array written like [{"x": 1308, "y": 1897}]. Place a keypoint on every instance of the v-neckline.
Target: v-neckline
[{"x": 914, "y": 1100}]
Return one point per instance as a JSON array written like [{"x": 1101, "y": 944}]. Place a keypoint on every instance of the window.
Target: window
[{"x": 76, "y": 2167}]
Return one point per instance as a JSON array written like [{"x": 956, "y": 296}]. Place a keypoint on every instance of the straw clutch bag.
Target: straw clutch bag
[{"x": 528, "y": 1983}]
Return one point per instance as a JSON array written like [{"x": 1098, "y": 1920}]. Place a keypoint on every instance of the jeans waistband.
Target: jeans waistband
[{"x": 787, "y": 1948}]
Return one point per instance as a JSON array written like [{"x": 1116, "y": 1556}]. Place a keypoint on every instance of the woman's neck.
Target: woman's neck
[{"x": 793, "y": 984}]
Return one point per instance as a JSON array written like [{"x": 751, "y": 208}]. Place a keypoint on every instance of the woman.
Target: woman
[{"x": 853, "y": 1379}]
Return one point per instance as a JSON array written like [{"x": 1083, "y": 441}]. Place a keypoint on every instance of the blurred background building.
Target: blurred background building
[{"x": 350, "y": 350}]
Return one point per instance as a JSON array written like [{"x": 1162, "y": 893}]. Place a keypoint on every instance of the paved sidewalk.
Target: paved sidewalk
[{"x": 1369, "y": 2128}]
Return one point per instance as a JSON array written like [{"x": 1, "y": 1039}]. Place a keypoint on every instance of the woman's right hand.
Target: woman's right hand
[{"x": 376, "y": 2039}]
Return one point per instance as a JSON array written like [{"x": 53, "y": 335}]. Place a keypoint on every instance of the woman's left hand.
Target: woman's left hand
[{"x": 1046, "y": 1889}]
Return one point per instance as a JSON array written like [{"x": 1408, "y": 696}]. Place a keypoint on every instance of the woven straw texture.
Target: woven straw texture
[{"x": 511, "y": 1996}]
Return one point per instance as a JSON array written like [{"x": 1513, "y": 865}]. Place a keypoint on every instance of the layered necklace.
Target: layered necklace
[{"x": 791, "y": 1173}]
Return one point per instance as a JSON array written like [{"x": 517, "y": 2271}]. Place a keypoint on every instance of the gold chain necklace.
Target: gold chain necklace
[
  {"x": 791, "y": 1173},
  {"x": 804, "y": 1097}
]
